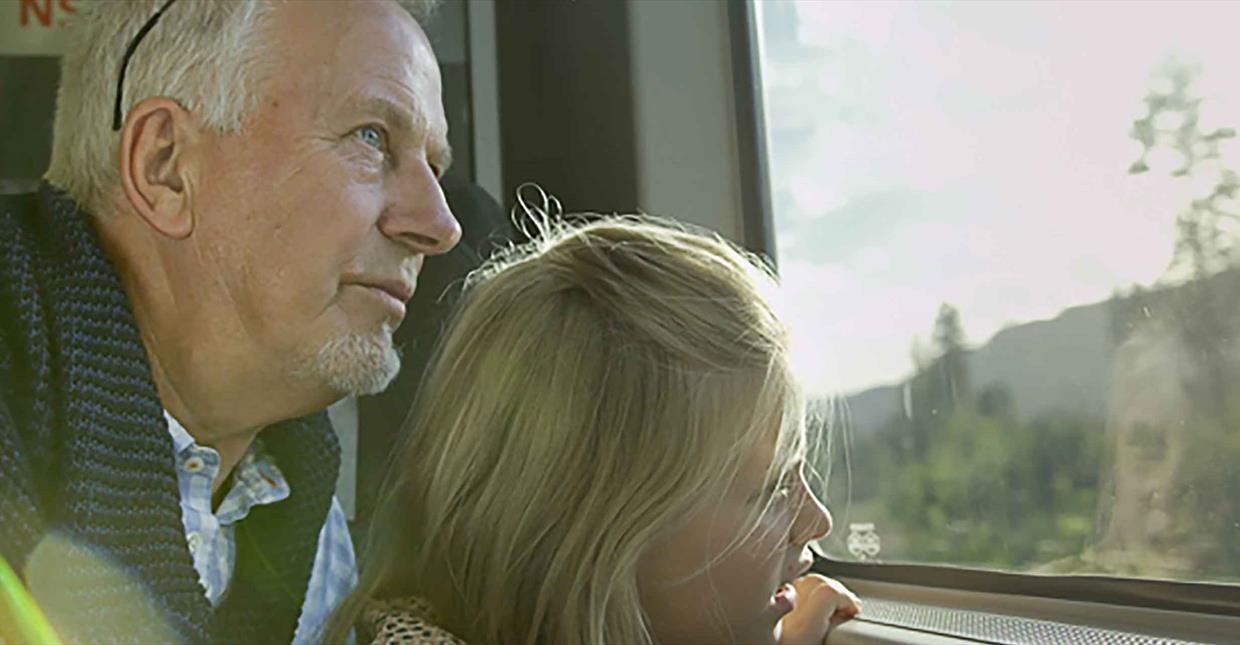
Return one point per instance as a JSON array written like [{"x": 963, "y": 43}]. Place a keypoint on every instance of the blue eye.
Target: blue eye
[{"x": 371, "y": 136}]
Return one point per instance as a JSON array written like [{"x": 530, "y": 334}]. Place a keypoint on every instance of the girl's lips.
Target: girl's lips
[{"x": 784, "y": 599}]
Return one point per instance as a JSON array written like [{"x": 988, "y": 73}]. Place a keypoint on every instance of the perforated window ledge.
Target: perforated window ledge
[{"x": 997, "y": 628}]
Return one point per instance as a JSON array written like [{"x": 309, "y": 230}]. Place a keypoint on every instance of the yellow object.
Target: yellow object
[{"x": 19, "y": 612}]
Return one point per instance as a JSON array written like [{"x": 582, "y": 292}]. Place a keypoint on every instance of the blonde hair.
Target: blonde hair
[
  {"x": 208, "y": 55},
  {"x": 595, "y": 386}
]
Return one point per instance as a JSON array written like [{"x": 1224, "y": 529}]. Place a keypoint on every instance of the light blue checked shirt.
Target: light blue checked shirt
[{"x": 256, "y": 481}]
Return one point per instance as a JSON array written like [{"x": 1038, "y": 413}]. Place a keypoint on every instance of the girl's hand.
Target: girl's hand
[{"x": 820, "y": 605}]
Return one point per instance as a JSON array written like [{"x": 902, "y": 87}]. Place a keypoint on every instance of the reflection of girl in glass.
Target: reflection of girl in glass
[{"x": 609, "y": 449}]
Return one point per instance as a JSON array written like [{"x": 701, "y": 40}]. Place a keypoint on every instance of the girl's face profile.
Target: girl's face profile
[{"x": 717, "y": 577}]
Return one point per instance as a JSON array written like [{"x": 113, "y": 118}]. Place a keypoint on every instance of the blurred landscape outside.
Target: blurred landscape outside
[{"x": 1007, "y": 238}]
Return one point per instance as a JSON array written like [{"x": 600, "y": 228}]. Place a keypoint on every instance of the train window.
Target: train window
[{"x": 1019, "y": 222}]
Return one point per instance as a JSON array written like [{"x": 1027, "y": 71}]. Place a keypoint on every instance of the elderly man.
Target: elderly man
[{"x": 240, "y": 198}]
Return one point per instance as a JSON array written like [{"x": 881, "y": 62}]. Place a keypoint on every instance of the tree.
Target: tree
[
  {"x": 1204, "y": 243},
  {"x": 1191, "y": 437},
  {"x": 952, "y": 372}
]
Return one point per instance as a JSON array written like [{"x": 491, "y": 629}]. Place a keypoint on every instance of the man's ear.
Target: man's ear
[{"x": 155, "y": 163}]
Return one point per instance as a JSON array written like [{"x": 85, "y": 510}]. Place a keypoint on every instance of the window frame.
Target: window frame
[
  {"x": 1211, "y": 598},
  {"x": 757, "y": 212}
]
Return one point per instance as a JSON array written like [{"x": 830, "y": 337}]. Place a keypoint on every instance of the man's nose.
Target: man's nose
[{"x": 417, "y": 216}]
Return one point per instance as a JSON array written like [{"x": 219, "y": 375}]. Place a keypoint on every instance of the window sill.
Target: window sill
[{"x": 906, "y": 613}]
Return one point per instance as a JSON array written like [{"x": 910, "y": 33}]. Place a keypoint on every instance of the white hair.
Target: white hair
[
  {"x": 208, "y": 55},
  {"x": 356, "y": 364}
]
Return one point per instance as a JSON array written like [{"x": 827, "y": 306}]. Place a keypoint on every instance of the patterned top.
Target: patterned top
[
  {"x": 404, "y": 621},
  {"x": 256, "y": 481}
]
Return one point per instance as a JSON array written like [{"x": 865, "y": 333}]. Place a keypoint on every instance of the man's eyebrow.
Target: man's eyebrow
[
  {"x": 440, "y": 156},
  {"x": 395, "y": 115}
]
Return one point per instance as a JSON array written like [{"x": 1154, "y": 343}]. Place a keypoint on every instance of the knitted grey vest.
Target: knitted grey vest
[{"x": 86, "y": 459}]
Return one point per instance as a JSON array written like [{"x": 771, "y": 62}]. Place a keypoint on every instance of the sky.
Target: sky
[{"x": 974, "y": 153}]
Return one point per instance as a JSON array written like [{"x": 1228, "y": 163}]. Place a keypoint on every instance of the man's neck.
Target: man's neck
[
  {"x": 222, "y": 413},
  {"x": 201, "y": 416},
  {"x": 231, "y": 449},
  {"x": 222, "y": 392},
  {"x": 230, "y": 445}
]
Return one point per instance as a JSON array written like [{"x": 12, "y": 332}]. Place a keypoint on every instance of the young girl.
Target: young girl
[{"x": 609, "y": 448}]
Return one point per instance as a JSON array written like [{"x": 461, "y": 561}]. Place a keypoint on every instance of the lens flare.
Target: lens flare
[{"x": 20, "y": 613}]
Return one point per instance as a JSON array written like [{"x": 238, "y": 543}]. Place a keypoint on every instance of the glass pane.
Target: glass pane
[{"x": 1008, "y": 235}]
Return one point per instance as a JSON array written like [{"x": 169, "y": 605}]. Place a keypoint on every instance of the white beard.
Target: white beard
[{"x": 354, "y": 364}]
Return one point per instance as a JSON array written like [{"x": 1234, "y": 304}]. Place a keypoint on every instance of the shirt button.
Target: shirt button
[
  {"x": 194, "y": 464},
  {"x": 195, "y": 541}
]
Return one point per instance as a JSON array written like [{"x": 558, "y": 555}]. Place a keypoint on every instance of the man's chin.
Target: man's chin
[{"x": 355, "y": 364}]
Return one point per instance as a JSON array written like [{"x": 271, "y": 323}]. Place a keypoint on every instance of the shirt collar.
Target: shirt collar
[
  {"x": 257, "y": 480},
  {"x": 181, "y": 440}
]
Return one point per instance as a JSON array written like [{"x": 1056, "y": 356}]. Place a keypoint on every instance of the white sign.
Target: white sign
[
  {"x": 36, "y": 27},
  {"x": 863, "y": 541}
]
